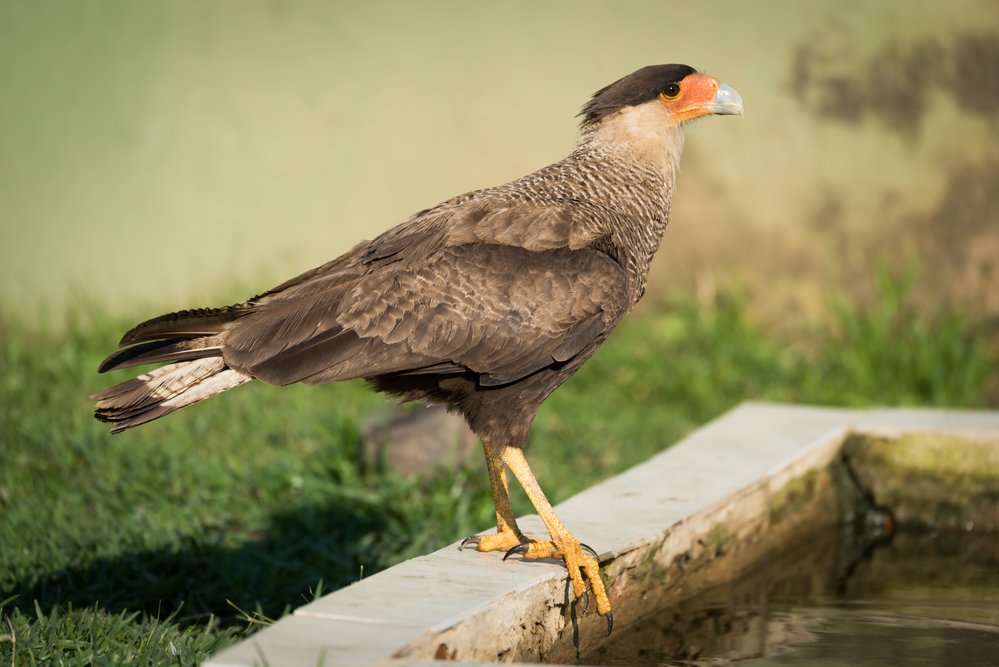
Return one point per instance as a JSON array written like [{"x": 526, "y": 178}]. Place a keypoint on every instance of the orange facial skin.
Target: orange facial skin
[{"x": 699, "y": 95}]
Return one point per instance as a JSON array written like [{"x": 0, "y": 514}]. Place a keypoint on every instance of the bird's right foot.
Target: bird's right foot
[{"x": 581, "y": 565}]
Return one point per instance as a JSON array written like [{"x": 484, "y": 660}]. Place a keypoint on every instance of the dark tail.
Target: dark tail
[{"x": 189, "y": 339}]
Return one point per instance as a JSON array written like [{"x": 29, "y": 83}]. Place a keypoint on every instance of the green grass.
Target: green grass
[{"x": 144, "y": 547}]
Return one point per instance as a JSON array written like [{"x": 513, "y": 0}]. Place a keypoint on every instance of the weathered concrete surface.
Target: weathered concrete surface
[
  {"x": 730, "y": 530},
  {"x": 757, "y": 479},
  {"x": 931, "y": 479}
]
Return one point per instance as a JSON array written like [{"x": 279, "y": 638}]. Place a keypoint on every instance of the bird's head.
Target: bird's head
[{"x": 653, "y": 103}]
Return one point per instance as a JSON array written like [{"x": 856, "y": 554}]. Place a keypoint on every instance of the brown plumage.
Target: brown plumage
[{"x": 486, "y": 302}]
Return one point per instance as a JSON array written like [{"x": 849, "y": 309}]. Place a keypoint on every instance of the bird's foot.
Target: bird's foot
[
  {"x": 504, "y": 540},
  {"x": 579, "y": 563}
]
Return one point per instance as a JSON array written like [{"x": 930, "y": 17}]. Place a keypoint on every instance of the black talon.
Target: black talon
[
  {"x": 519, "y": 549},
  {"x": 610, "y": 623},
  {"x": 586, "y": 600},
  {"x": 596, "y": 557},
  {"x": 474, "y": 539}
]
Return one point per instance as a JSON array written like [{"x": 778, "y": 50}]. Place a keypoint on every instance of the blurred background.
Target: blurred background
[
  {"x": 837, "y": 246},
  {"x": 150, "y": 152}
]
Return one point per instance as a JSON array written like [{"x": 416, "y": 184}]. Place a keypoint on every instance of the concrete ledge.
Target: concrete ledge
[{"x": 703, "y": 511}]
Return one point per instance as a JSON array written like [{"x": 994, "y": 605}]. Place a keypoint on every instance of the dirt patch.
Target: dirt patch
[
  {"x": 933, "y": 209},
  {"x": 975, "y": 80},
  {"x": 959, "y": 239},
  {"x": 894, "y": 86}
]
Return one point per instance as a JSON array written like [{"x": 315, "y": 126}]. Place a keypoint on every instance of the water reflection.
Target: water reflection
[{"x": 915, "y": 598}]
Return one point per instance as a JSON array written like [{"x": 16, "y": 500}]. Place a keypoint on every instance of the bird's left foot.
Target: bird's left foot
[
  {"x": 504, "y": 540},
  {"x": 580, "y": 563}
]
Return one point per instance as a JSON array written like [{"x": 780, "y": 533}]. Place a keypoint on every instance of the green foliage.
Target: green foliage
[
  {"x": 168, "y": 542},
  {"x": 892, "y": 355},
  {"x": 92, "y": 637}
]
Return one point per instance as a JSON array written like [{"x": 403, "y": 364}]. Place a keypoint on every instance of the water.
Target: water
[{"x": 913, "y": 598}]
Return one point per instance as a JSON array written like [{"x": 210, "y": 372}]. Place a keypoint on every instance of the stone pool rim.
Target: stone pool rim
[{"x": 708, "y": 496}]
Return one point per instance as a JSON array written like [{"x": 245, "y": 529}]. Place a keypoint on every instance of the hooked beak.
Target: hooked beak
[{"x": 726, "y": 101}]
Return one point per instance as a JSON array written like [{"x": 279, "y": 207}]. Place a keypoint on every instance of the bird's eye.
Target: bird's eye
[{"x": 671, "y": 90}]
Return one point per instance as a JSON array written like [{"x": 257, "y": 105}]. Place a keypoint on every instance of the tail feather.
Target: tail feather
[
  {"x": 191, "y": 341},
  {"x": 164, "y": 390},
  {"x": 172, "y": 349},
  {"x": 187, "y": 324}
]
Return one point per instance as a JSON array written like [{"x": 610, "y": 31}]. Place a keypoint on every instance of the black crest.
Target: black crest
[{"x": 636, "y": 88}]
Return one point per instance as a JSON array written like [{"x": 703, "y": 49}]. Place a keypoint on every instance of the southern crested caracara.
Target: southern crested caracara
[{"x": 486, "y": 302}]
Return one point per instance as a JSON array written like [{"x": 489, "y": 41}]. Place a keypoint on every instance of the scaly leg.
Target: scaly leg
[
  {"x": 507, "y": 535},
  {"x": 563, "y": 544}
]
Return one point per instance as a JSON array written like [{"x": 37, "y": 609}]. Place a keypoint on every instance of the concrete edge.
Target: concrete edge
[{"x": 715, "y": 489}]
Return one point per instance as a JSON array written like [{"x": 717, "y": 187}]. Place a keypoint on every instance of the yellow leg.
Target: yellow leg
[
  {"x": 507, "y": 535},
  {"x": 563, "y": 544}
]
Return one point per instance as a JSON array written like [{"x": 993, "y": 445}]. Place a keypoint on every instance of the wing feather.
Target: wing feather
[
  {"x": 485, "y": 282},
  {"x": 501, "y": 311}
]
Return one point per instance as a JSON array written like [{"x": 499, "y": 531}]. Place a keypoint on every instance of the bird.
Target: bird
[{"x": 485, "y": 303}]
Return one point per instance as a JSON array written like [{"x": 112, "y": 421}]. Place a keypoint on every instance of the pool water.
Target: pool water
[
  {"x": 859, "y": 636},
  {"x": 845, "y": 598}
]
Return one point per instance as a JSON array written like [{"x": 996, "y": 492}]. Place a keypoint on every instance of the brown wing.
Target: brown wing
[
  {"x": 501, "y": 281},
  {"x": 501, "y": 311}
]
